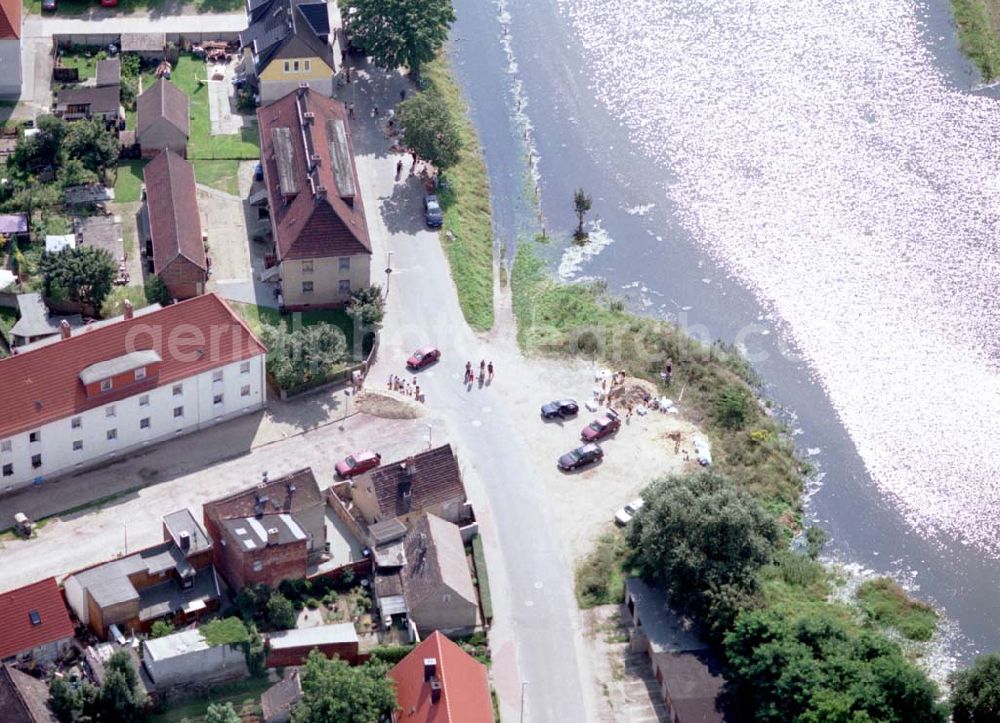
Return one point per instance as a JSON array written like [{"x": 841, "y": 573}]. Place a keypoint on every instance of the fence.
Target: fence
[{"x": 102, "y": 40}]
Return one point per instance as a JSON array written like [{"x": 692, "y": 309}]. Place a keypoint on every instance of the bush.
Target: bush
[
  {"x": 280, "y": 612},
  {"x": 732, "y": 407},
  {"x": 482, "y": 578},
  {"x": 161, "y": 628},
  {"x": 884, "y": 601},
  {"x": 599, "y": 576},
  {"x": 391, "y": 654},
  {"x": 305, "y": 356},
  {"x": 975, "y": 695}
]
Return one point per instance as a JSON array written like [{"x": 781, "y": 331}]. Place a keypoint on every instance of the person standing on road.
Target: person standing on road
[
  {"x": 489, "y": 369},
  {"x": 399, "y": 168},
  {"x": 468, "y": 371},
  {"x": 482, "y": 368}
]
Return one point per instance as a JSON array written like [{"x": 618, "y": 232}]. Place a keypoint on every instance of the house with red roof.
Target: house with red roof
[
  {"x": 439, "y": 682},
  {"x": 170, "y": 215},
  {"x": 10, "y": 48},
  {"x": 89, "y": 395},
  {"x": 317, "y": 217},
  {"x": 34, "y": 623}
]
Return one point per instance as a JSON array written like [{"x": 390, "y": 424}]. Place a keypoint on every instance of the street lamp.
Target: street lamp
[{"x": 388, "y": 270}]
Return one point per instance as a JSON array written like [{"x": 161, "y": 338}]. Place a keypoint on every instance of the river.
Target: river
[{"x": 814, "y": 182}]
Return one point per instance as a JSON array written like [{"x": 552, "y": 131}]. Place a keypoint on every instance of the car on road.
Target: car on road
[
  {"x": 422, "y": 357},
  {"x": 626, "y": 513},
  {"x": 49, "y": 5},
  {"x": 581, "y": 457},
  {"x": 601, "y": 428},
  {"x": 358, "y": 463},
  {"x": 109, "y": 3},
  {"x": 560, "y": 408},
  {"x": 432, "y": 211}
]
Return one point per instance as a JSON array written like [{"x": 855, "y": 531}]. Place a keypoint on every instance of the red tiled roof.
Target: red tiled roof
[
  {"x": 311, "y": 225},
  {"x": 172, "y": 200},
  {"x": 10, "y": 19},
  {"x": 42, "y": 385},
  {"x": 465, "y": 693},
  {"x": 165, "y": 100},
  {"x": 17, "y": 633}
]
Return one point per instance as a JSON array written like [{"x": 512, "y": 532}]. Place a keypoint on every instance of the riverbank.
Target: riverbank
[{"x": 977, "y": 22}]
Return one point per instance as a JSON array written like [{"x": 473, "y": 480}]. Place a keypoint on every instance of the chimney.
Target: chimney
[
  {"x": 185, "y": 540},
  {"x": 272, "y": 536},
  {"x": 436, "y": 687},
  {"x": 321, "y": 191},
  {"x": 65, "y": 330},
  {"x": 308, "y": 116},
  {"x": 303, "y": 88},
  {"x": 430, "y": 668},
  {"x": 127, "y": 306}
]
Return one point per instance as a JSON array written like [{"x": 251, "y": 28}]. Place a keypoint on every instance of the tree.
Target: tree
[
  {"x": 66, "y": 703},
  {"x": 975, "y": 694},
  {"x": 429, "y": 129},
  {"x": 280, "y": 612},
  {"x": 813, "y": 668},
  {"x": 83, "y": 273},
  {"x": 581, "y": 205},
  {"x": 31, "y": 197},
  {"x": 93, "y": 144},
  {"x": 221, "y": 713},
  {"x": 161, "y": 628},
  {"x": 333, "y": 690},
  {"x": 367, "y": 306},
  {"x": 732, "y": 407},
  {"x": 301, "y": 357},
  {"x": 704, "y": 540},
  {"x": 74, "y": 173},
  {"x": 399, "y": 33},
  {"x": 156, "y": 291},
  {"x": 42, "y": 150},
  {"x": 256, "y": 652},
  {"x": 120, "y": 698}
]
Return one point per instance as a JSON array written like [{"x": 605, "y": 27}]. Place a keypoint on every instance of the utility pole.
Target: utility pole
[
  {"x": 388, "y": 271},
  {"x": 524, "y": 684}
]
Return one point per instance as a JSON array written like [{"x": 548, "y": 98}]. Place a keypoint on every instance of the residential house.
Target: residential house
[
  {"x": 89, "y": 396},
  {"x": 689, "y": 675},
  {"x": 277, "y": 702},
  {"x": 34, "y": 622},
  {"x": 287, "y": 43},
  {"x": 34, "y": 321},
  {"x": 429, "y": 482},
  {"x": 317, "y": 217},
  {"x": 186, "y": 658},
  {"x": 269, "y": 532},
  {"x": 438, "y": 682},
  {"x": 23, "y": 698},
  {"x": 109, "y": 72},
  {"x": 14, "y": 224},
  {"x": 148, "y": 46},
  {"x": 90, "y": 101},
  {"x": 170, "y": 213},
  {"x": 433, "y": 586},
  {"x": 292, "y": 647},
  {"x": 163, "y": 119},
  {"x": 11, "y": 16},
  {"x": 173, "y": 580}
]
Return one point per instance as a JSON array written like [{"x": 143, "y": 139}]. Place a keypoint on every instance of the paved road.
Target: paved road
[{"x": 36, "y": 26}]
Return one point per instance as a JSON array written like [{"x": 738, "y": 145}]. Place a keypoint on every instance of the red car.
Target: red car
[
  {"x": 423, "y": 356},
  {"x": 601, "y": 428},
  {"x": 109, "y": 3},
  {"x": 358, "y": 463}
]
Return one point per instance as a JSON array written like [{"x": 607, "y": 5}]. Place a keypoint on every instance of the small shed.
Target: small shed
[
  {"x": 148, "y": 46},
  {"x": 277, "y": 701},
  {"x": 186, "y": 658},
  {"x": 14, "y": 224},
  {"x": 292, "y": 647},
  {"x": 162, "y": 119},
  {"x": 109, "y": 72},
  {"x": 54, "y": 243}
]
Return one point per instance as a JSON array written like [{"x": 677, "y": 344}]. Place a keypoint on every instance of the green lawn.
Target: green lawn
[
  {"x": 257, "y": 316},
  {"x": 222, "y": 175},
  {"x": 244, "y": 695},
  {"x": 87, "y": 67},
  {"x": 128, "y": 185}
]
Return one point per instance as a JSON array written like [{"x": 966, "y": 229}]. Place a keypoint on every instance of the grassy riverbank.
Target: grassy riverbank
[
  {"x": 977, "y": 22},
  {"x": 467, "y": 233}
]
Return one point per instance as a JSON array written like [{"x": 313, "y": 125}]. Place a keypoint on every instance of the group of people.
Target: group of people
[
  {"x": 404, "y": 387},
  {"x": 485, "y": 372}
]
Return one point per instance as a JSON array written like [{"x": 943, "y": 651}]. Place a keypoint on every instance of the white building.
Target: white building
[
  {"x": 186, "y": 658},
  {"x": 85, "y": 396},
  {"x": 11, "y": 15}
]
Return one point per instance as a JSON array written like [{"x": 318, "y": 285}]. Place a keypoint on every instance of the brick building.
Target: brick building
[
  {"x": 292, "y": 647},
  {"x": 268, "y": 533}
]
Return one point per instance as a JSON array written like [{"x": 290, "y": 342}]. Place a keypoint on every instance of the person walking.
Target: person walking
[
  {"x": 482, "y": 368},
  {"x": 468, "y": 372},
  {"x": 374, "y": 111},
  {"x": 489, "y": 369},
  {"x": 350, "y": 111},
  {"x": 399, "y": 168}
]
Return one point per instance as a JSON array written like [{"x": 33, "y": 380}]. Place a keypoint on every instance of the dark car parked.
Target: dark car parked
[
  {"x": 560, "y": 408},
  {"x": 581, "y": 457},
  {"x": 432, "y": 211}
]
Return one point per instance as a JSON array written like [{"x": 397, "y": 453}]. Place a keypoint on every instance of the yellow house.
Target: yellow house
[{"x": 287, "y": 43}]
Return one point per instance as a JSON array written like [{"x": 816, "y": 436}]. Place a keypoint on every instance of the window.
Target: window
[
  {"x": 35, "y": 617},
  {"x": 217, "y": 375},
  {"x": 258, "y": 565},
  {"x": 77, "y": 445},
  {"x": 112, "y": 435},
  {"x": 305, "y": 65},
  {"x": 109, "y": 411},
  {"x": 35, "y": 437},
  {"x": 178, "y": 389},
  {"x": 5, "y": 445},
  {"x": 307, "y": 267},
  {"x": 345, "y": 286},
  {"x": 144, "y": 423},
  {"x": 245, "y": 368},
  {"x": 178, "y": 412},
  {"x": 217, "y": 399},
  {"x": 344, "y": 264},
  {"x": 105, "y": 385},
  {"x": 8, "y": 470},
  {"x": 287, "y": 66},
  {"x": 295, "y": 66},
  {"x": 245, "y": 390},
  {"x": 307, "y": 287},
  {"x": 140, "y": 373},
  {"x": 76, "y": 422},
  {"x": 36, "y": 460},
  {"x": 144, "y": 400}
]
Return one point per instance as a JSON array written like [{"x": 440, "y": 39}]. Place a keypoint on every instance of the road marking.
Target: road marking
[
  {"x": 487, "y": 409},
  {"x": 529, "y": 603},
  {"x": 538, "y": 585},
  {"x": 476, "y": 423}
]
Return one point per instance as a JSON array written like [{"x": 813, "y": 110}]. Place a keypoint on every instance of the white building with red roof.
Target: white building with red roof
[{"x": 88, "y": 395}]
